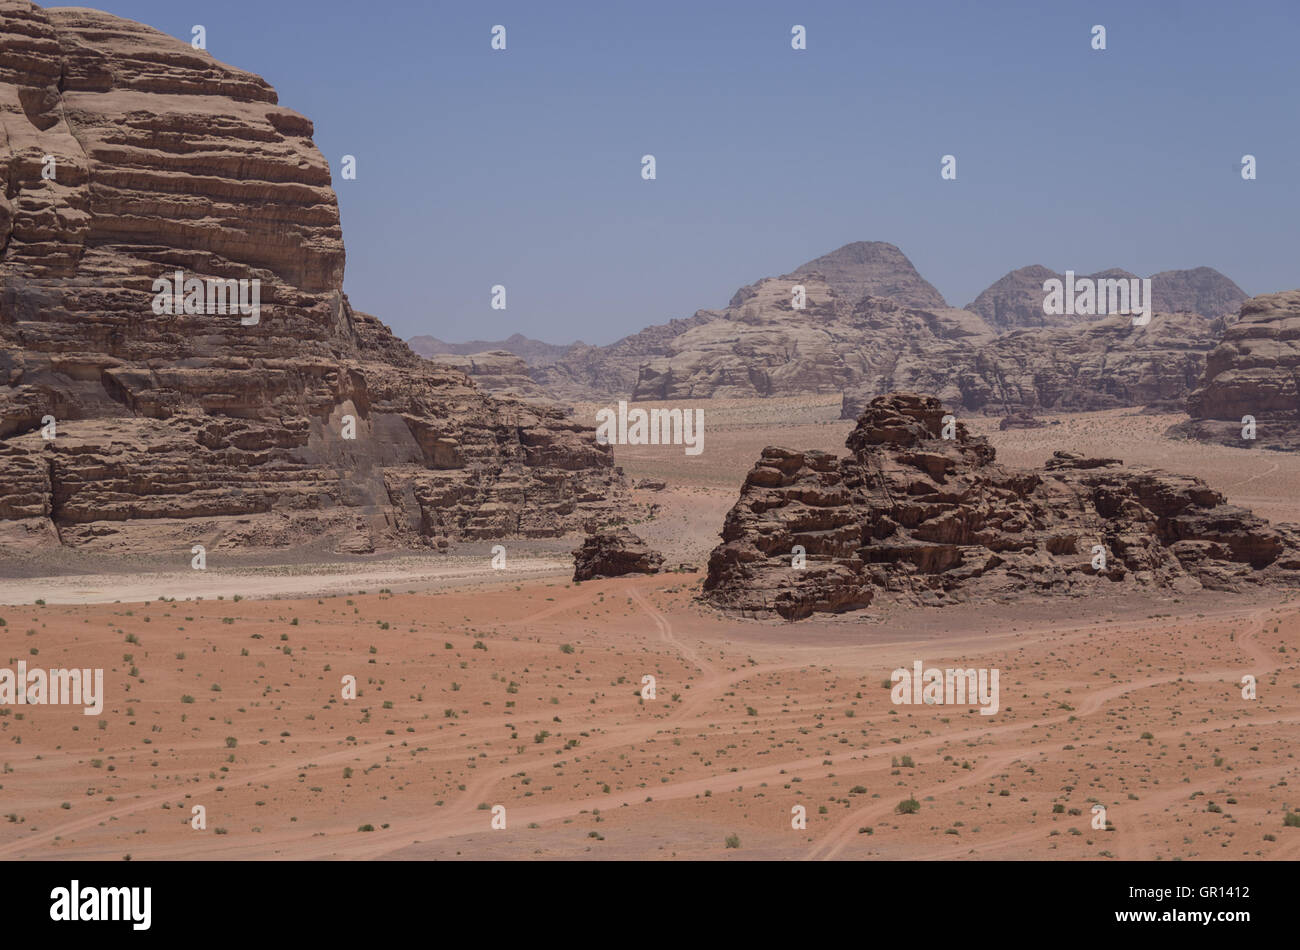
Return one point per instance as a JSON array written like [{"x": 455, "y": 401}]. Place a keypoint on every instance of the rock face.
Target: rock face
[
  {"x": 533, "y": 352},
  {"x": 875, "y": 269},
  {"x": 599, "y": 372},
  {"x": 916, "y": 518},
  {"x": 1254, "y": 371},
  {"x": 762, "y": 346},
  {"x": 613, "y": 554},
  {"x": 1103, "y": 365},
  {"x": 498, "y": 372},
  {"x": 1016, "y": 300},
  {"x": 642, "y": 363},
  {"x": 179, "y": 428}
]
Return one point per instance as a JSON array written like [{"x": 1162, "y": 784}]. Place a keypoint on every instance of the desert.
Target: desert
[
  {"x": 1009, "y": 581},
  {"x": 525, "y": 691}
]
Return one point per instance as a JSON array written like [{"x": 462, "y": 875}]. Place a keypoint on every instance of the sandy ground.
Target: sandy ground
[{"x": 521, "y": 689}]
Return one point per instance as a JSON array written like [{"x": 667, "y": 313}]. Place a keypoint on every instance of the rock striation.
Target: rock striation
[
  {"x": 1104, "y": 365},
  {"x": 129, "y": 156},
  {"x": 499, "y": 372},
  {"x": 613, "y": 554},
  {"x": 913, "y": 517},
  {"x": 762, "y": 345},
  {"x": 1254, "y": 371}
]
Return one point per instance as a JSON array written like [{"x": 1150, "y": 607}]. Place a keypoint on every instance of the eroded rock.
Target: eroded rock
[{"x": 913, "y": 517}]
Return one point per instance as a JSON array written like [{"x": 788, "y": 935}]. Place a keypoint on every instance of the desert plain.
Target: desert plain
[{"x": 480, "y": 687}]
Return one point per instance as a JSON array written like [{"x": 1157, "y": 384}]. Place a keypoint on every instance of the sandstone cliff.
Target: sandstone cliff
[
  {"x": 914, "y": 517},
  {"x": 1254, "y": 371},
  {"x": 762, "y": 346},
  {"x": 1102, "y": 365},
  {"x": 182, "y": 427},
  {"x": 1016, "y": 299}
]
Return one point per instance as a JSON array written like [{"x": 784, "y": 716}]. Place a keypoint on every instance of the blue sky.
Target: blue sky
[{"x": 522, "y": 167}]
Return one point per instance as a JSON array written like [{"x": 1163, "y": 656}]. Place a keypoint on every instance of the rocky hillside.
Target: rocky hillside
[
  {"x": 1016, "y": 300},
  {"x": 911, "y": 516},
  {"x": 872, "y": 324},
  {"x": 1102, "y": 365},
  {"x": 871, "y": 268},
  {"x": 762, "y": 346},
  {"x": 129, "y": 157},
  {"x": 532, "y": 352},
  {"x": 1254, "y": 371}
]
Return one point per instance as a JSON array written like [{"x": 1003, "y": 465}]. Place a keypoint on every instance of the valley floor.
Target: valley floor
[{"x": 478, "y": 688}]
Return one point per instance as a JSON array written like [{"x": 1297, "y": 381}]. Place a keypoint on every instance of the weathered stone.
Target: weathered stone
[
  {"x": 613, "y": 554},
  {"x": 917, "y": 518},
  {"x": 1254, "y": 371},
  {"x": 181, "y": 428}
]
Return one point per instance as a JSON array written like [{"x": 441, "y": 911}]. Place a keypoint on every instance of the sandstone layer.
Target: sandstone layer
[
  {"x": 1255, "y": 372},
  {"x": 1016, "y": 299},
  {"x": 179, "y": 428},
  {"x": 762, "y": 345},
  {"x": 1104, "y": 365},
  {"x": 915, "y": 517}
]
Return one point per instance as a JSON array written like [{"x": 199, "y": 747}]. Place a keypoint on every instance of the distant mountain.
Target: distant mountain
[
  {"x": 1016, "y": 299},
  {"x": 873, "y": 324},
  {"x": 782, "y": 348},
  {"x": 876, "y": 269},
  {"x": 533, "y": 352},
  {"x": 1105, "y": 364}
]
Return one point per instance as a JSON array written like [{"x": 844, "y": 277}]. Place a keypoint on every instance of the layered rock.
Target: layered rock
[
  {"x": 180, "y": 427},
  {"x": 497, "y": 371},
  {"x": 1254, "y": 371},
  {"x": 1016, "y": 299},
  {"x": 913, "y": 517},
  {"x": 533, "y": 352},
  {"x": 613, "y": 554},
  {"x": 763, "y": 346},
  {"x": 636, "y": 364},
  {"x": 1103, "y": 365},
  {"x": 871, "y": 269}
]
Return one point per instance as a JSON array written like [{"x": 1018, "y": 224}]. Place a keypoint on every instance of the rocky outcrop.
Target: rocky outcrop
[
  {"x": 913, "y": 517},
  {"x": 1020, "y": 420},
  {"x": 498, "y": 372},
  {"x": 1016, "y": 299},
  {"x": 701, "y": 360},
  {"x": 1254, "y": 371},
  {"x": 599, "y": 372},
  {"x": 1103, "y": 365},
  {"x": 613, "y": 554},
  {"x": 129, "y": 156},
  {"x": 533, "y": 352},
  {"x": 763, "y": 346}
]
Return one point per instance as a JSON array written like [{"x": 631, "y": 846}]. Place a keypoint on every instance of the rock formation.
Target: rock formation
[
  {"x": 613, "y": 554},
  {"x": 914, "y": 517},
  {"x": 497, "y": 371},
  {"x": 871, "y": 269},
  {"x": 129, "y": 156},
  {"x": 1103, "y": 365},
  {"x": 1254, "y": 371},
  {"x": 1016, "y": 299},
  {"x": 762, "y": 346},
  {"x": 533, "y": 352}
]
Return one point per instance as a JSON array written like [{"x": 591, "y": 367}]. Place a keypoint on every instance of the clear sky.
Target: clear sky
[{"x": 523, "y": 167}]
